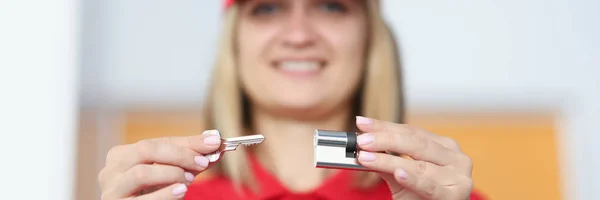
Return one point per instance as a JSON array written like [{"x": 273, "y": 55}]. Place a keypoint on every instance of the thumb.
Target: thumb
[{"x": 398, "y": 192}]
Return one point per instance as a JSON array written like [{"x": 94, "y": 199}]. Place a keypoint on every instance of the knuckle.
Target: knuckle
[
  {"x": 382, "y": 161},
  {"x": 101, "y": 177},
  {"x": 144, "y": 148},
  {"x": 140, "y": 172},
  {"x": 180, "y": 155},
  {"x": 467, "y": 160},
  {"x": 408, "y": 129},
  {"x": 420, "y": 145},
  {"x": 469, "y": 185},
  {"x": 170, "y": 141},
  {"x": 172, "y": 174},
  {"x": 113, "y": 153},
  {"x": 179, "y": 177},
  {"x": 450, "y": 143},
  {"x": 429, "y": 190},
  {"x": 461, "y": 192},
  {"x": 421, "y": 168},
  {"x": 387, "y": 139},
  {"x": 192, "y": 142},
  {"x": 176, "y": 173}
]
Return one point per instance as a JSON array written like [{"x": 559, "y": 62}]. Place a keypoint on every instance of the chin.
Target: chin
[
  {"x": 306, "y": 109},
  {"x": 299, "y": 105}
]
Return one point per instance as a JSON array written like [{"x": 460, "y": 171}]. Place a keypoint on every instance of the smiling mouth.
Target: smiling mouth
[{"x": 300, "y": 67}]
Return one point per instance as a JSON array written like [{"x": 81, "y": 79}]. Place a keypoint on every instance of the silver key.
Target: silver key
[{"x": 230, "y": 144}]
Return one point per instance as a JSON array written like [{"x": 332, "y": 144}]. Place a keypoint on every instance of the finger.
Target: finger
[
  {"x": 205, "y": 143},
  {"x": 366, "y": 124},
  {"x": 145, "y": 176},
  {"x": 416, "y": 146},
  {"x": 398, "y": 192},
  {"x": 180, "y": 151},
  {"x": 423, "y": 186},
  {"x": 150, "y": 152},
  {"x": 386, "y": 163},
  {"x": 173, "y": 192}
]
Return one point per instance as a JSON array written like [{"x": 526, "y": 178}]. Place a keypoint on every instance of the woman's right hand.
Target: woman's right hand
[{"x": 155, "y": 169}]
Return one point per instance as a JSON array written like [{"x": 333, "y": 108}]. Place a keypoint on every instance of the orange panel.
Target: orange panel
[
  {"x": 145, "y": 125},
  {"x": 514, "y": 155}
]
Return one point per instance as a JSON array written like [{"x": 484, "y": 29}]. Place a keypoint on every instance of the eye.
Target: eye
[
  {"x": 265, "y": 8},
  {"x": 332, "y": 6}
]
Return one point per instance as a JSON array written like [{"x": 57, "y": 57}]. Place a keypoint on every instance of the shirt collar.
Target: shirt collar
[{"x": 270, "y": 187}]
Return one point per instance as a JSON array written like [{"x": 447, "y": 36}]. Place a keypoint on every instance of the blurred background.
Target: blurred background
[{"x": 516, "y": 83}]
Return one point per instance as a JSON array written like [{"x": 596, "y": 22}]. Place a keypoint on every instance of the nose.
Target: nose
[{"x": 299, "y": 31}]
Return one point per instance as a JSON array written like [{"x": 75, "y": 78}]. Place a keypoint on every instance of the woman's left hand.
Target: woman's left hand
[{"x": 438, "y": 169}]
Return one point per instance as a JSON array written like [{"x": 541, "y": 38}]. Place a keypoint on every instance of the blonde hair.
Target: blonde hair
[{"x": 380, "y": 95}]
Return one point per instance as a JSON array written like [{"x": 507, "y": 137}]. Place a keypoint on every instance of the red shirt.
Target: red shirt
[{"x": 335, "y": 188}]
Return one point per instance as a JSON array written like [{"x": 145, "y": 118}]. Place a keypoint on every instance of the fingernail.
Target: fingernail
[
  {"x": 402, "y": 174},
  {"x": 366, "y": 156},
  {"x": 365, "y": 139},
  {"x": 210, "y": 132},
  {"x": 201, "y": 161},
  {"x": 212, "y": 140},
  {"x": 188, "y": 176},
  {"x": 179, "y": 190},
  {"x": 363, "y": 120}
]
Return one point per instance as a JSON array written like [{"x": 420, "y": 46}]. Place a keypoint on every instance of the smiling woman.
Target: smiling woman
[
  {"x": 293, "y": 58},
  {"x": 284, "y": 69}
]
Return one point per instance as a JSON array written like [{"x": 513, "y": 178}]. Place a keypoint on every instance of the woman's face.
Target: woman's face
[{"x": 301, "y": 56}]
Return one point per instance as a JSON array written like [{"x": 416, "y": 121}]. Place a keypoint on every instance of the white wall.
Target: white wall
[
  {"x": 507, "y": 55},
  {"x": 524, "y": 48},
  {"x": 504, "y": 55},
  {"x": 38, "y": 104},
  {"x": 148, "y": 51}
]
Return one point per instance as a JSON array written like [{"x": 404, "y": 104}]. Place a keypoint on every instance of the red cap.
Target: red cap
[{"x": 229, "y": 3}]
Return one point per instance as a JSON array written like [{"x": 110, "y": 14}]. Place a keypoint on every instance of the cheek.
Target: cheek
[
  {"x": 251, "y": 45},
  {"x": 250, "y": 41},
  {"x": 252, "y": 61},
  {"x": 348, "y": 45}
]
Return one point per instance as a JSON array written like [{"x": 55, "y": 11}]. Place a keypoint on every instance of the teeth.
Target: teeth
[{"x": 299, "y": 66}]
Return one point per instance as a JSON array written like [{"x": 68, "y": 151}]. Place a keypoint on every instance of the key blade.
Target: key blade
[
  {"x": 231, "y": 144},
  {"x": 249, "y": 140}
]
